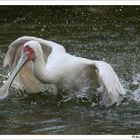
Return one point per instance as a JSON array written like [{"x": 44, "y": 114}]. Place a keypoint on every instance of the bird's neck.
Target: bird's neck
[{"x": 41, "y": 70}]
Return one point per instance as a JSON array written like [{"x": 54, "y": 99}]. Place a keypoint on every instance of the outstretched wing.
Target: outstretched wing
[
  {"x": 107, "y": 82},
  {"x": 25, "y": 79},
  {"x": 15, "y": 48}
]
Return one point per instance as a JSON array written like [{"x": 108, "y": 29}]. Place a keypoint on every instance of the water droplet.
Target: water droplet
[{"x": 42, "y": 30}]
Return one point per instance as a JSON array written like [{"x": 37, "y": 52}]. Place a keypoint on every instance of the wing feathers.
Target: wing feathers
[
  {"x": 16, "y": 47},
  {"x": 108, "y": 80}
]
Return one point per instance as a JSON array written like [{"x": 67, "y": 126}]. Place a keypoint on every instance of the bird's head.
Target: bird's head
[{"x": 32, "y": 49}]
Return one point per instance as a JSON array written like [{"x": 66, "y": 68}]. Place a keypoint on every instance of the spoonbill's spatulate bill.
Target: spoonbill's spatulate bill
[
  {"x": 40, "y": 65},
  {"x": 4, "y": 90}
]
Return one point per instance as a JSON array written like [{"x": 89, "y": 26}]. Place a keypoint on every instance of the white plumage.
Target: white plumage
[{"x": 53, "y": 68}]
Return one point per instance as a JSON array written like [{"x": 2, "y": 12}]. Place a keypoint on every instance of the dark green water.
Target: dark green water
[{"x": 104, "y": 33}]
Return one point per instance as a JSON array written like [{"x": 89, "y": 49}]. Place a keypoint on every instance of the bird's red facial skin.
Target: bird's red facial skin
[{"x": 30, "y": 52}]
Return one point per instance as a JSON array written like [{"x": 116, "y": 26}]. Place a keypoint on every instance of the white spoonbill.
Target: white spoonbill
[{"x": 39, "y": 65}]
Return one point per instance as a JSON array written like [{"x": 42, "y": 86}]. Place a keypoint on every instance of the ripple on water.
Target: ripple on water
[{"x": 53, "y": 129}]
